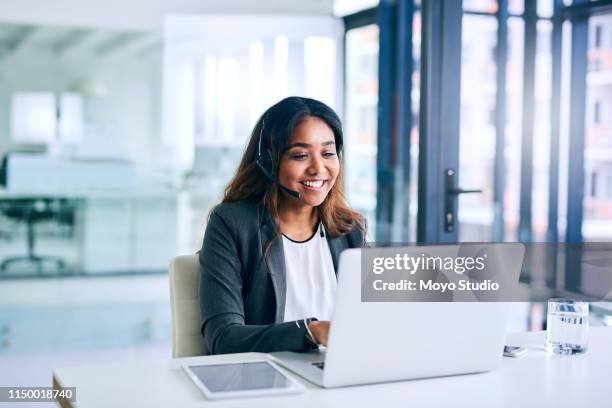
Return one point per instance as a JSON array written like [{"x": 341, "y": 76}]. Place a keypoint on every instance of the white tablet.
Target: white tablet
[{"x": 237, "y": 380}]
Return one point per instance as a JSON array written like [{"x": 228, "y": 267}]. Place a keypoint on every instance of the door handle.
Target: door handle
[
  {"x": 451, "y": 193},
  {"x": 457, "y": 191}
]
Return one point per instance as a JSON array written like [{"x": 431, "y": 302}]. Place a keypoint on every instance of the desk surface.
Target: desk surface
[{"x": 537, "y": 379}]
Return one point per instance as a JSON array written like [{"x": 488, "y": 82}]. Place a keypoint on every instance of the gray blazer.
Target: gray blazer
[{"x": 242, "y": 298}]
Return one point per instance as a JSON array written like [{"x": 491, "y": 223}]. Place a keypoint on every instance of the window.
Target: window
[
  {"x": 346, "y": 7},
  {"x": 598, "y": 33},
  {"x": 215, "y": 89},
  {"x": 477, "y": 132},
  {"x": 545, "y": 8},
  {"x": 597, "y": 204},
  {"x": 514, "y": 89},
  {"x": 33, "y": 117},
  {"x": 360, "y": 122},
  {"x": 541, "y": 129},
  {"x": 483, "y": 6}
]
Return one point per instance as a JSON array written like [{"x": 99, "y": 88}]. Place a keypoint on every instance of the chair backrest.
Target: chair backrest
[
  {"x": 4, "y": 170},
  {"x": 184, "y": 300}
]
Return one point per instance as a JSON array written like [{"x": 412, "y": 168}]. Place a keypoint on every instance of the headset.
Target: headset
[{"x": 266, "y": 164}]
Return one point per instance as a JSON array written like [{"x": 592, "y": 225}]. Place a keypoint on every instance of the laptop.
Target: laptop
[{"x": 371, "y": 342}]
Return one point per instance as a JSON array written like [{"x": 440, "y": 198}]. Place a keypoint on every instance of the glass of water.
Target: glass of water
[{"x": 567, "y": 330}]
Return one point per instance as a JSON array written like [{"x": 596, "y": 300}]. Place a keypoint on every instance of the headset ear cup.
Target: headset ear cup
[
  {"x": 264, "y": 162},
  {"x": 268, "y": 163},
  {"x": 264, "y": 159}
]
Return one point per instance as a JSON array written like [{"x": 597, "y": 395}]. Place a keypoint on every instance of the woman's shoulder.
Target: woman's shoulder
[
  {"x": 356, "y": 238},
  {"x": 237, "y": 211},
  {"x": 356, "y": 234}
]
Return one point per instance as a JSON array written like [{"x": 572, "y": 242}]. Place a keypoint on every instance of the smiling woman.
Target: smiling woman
[
  {"x": 310, "y": 166},
  {"x": 266, "y": 274}
]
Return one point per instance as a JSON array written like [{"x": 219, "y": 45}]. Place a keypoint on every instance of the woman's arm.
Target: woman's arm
[{"x": 222, "y": 306}]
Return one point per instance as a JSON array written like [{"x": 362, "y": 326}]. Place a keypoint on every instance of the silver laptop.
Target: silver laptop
[{"x": 373, "y": 342}]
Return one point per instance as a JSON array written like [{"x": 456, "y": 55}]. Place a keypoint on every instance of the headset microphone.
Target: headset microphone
[
  {"x": 266, "y": 165},
  {"x": 292, "y": 193}
]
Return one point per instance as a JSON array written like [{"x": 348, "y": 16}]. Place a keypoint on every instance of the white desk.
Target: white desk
[{"x": 538, "y": 380}]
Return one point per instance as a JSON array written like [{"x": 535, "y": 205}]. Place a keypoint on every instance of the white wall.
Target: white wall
[
  {"x": 143, "y": 14},
  {"x": 123, "y": 120}
]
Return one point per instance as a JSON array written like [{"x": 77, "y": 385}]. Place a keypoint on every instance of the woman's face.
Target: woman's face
[{"x": 310, "y": 165}]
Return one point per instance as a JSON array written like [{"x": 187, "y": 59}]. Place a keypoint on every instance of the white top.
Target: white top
[{"x": 310, "y": 277}]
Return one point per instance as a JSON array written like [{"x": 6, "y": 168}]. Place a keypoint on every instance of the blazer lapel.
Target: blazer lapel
[
  {"x": 336, "y": 245},
  {"x": 275, "y": 261}
]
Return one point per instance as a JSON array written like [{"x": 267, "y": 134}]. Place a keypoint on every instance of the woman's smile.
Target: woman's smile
[{"x": 314, "y": 184}]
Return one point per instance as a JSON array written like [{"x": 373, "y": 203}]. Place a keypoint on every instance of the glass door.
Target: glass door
[
  {"x": 360, "y": 122},
  {"x": 597, "y": 202}
]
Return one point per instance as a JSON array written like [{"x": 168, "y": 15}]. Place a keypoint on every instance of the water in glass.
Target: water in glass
[{"x": 567, "y": 326}]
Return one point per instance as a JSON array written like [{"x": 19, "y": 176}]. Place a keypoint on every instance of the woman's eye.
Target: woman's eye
[{"x": 304, "y": 156}]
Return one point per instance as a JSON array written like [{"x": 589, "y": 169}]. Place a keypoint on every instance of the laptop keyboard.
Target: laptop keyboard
[{"x": 320, "y": 365}]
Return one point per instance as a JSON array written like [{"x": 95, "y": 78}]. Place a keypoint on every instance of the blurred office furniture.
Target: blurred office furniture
[
  {"x": 135, "y": 316},
  {"x": 4, "y": 170},
  {"x": 33, "y": 117},
  {"x": 133, "y": 231},
  {"x": 30, "y": 210},
  {"x": 114, "y": 232},
  {"x": 213, "y": 168},
  {"x": 537, "y": 379},
  {"x": 184, "y": 302},
  {"x": 3, "y": 234},
  {"x": 119, "y": 227},
  {"x": 43, "y": 173}
]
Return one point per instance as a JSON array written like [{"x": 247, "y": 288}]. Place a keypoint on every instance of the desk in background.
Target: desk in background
[
  {"x": 134, "y": 232},
  {"x": 538, "y": 379},
  {"x": 118, "y": 232},
  {"x": 121, "y": 225},
  {"x": 43, "y": 173}
]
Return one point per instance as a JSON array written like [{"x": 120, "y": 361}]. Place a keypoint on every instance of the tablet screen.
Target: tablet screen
[{"x": 240, "y": 377}]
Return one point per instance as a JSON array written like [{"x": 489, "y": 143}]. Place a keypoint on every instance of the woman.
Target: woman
[{"x": 271, "y": 248}]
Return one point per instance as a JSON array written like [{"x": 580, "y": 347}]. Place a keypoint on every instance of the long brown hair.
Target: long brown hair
[{"x": 275, "y": 127}]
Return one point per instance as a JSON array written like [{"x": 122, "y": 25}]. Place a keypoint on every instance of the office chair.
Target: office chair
[
  {"x": 3, "y": 234},
  {"x": 184, "y": 303},
  {"x": 30, "y": 210}
]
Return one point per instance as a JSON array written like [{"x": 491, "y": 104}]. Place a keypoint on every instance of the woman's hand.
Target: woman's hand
[{"x": 319, "y": 330}]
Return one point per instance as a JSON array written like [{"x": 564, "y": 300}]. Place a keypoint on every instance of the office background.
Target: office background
[{"x": 121, "y": 122}]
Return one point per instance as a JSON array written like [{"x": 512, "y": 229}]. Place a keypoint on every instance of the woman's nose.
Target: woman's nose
[{"x": 316, "y": 165}]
